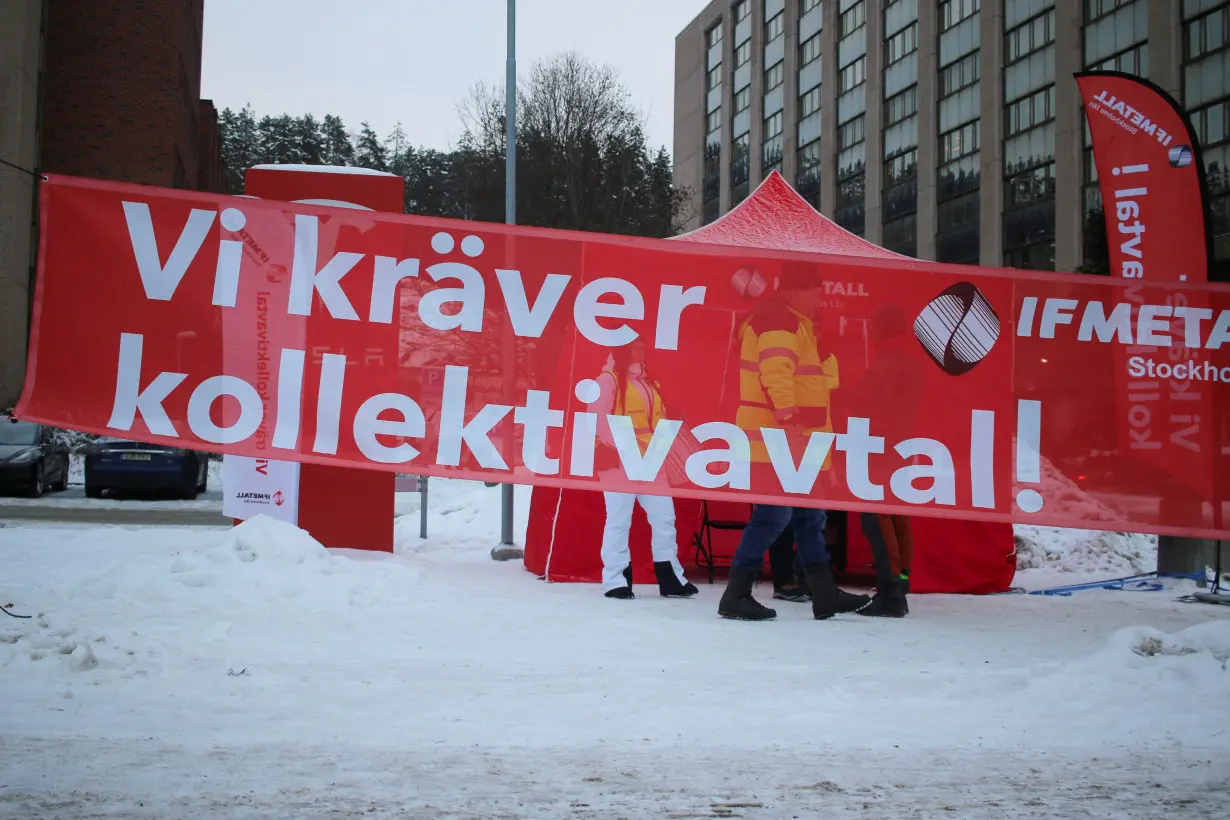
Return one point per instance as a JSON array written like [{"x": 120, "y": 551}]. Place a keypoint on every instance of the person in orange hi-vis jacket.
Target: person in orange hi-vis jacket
[
  {"x": 784, "y": 382},
  {"x": 628, "y": 390}
]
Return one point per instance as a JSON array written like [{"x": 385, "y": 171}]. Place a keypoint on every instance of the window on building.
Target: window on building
[
  {"x": 901, "y": 235},
  {"x": 954, "y": 12},
  {"x": 957, "y": 239},
  {"x": 743, "y": 54},
  {"x": 851, "y": 134},
  {"x": 711, "y": 184},
  {"x": 775, "y": 76},
  {"x": 899, "y": 170},
  {"x": 854, "y": 74},
  {"x": 962, "y": 73},
  {"x": 741, "y": 10},
  {"x": 900, "y": 106},
  {"x": 1206, "y": 34},
  {"x": 713, "y": 78},
  {"x": 771, "y": 143},
  {"x": 900, "y": 44},
  {"x": 807, "y": 179},
  {"x": 1032, "y": 36},
  {"x": 852, "y": 19},
  {"x": 810, "y": 50},
  {"x": 851, "y": 212},
  {"x": 960, "y": 142},
  {"x": 1023, "y": 114},
  {"x": 1029, "y": 218},
  {"x": 807, "y": 5},
  {"x": 775, "y": 28},
  {"x": 743, "y": 99},
  {"x": 809, "y": 103},
  {"x": 740, "y": 169},
  {"x": 851, "y": 174},
  {"x": 1100, "y": 8},
  {"x": 713, "y": 36}
]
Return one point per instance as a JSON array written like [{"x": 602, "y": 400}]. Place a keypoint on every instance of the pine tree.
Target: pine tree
[
  {"x": 400, "y": 153},
  {"x": 308, "y": 142},
  {"x": 369, "y": 152},
  {"x": 240, "y": 145},
  {"x": 277, "y": 140},
  {"x": 338, "y": 149}
]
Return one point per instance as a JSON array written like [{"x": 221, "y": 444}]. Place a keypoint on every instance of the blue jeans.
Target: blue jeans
[{"x": 767, "y": 523}]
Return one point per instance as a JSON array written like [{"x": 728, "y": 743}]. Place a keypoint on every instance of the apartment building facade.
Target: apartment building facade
[{"x": 942, "y": 129}]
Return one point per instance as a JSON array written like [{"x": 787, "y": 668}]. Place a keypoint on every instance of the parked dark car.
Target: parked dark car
[
  {"x": 31, "y": 460},
  {"x": 114, "y": 464}
]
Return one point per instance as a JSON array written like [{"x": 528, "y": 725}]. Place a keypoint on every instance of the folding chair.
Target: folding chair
[{"x": 703, "y": 539}]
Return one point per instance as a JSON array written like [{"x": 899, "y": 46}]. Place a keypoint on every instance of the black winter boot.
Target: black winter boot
[
  {"x": 889, "y": 602},
  {"x": 826, "y": 599},
  {"x": 624, "y": 593},
  {"x": 669, "y": 584},
  {"x": 737, "y": 602}
]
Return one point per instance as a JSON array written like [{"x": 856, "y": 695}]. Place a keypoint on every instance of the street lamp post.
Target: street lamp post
[{"x": 507, "y": 550}]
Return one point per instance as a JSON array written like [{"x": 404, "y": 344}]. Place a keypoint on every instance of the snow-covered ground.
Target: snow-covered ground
[{"x": 251, "y": 673}]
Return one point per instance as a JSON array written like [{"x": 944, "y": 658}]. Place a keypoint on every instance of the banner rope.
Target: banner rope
[{"x": 34, "y": 174}]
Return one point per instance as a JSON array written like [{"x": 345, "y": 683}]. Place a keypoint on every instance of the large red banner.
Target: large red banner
[
  {"x": 1149, "y": 170},
  {"x": 950, "y": 390}
]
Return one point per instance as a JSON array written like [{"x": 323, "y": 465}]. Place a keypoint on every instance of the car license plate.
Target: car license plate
[{"x": 136, "y": 456}]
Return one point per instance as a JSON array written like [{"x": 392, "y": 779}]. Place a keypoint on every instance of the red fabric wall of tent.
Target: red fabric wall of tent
[{"x": 565, "y": 527}]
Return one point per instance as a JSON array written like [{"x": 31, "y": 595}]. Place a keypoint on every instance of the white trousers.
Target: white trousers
[{"x": 660, "y": 510}]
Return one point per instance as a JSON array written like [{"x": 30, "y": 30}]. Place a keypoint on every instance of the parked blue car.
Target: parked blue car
[
  {"x": 31, "y": 460},
  {"x": 113, "y": 464}
]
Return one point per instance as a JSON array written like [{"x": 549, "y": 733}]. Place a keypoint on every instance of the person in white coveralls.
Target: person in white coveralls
[{"x": 627, "y": 390}]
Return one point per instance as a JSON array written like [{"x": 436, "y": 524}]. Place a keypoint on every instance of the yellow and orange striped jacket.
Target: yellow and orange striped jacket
[{"x": 782, "y": 379}]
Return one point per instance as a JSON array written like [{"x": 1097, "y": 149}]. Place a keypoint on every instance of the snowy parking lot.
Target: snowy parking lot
[{"x": 197, "y": 672}]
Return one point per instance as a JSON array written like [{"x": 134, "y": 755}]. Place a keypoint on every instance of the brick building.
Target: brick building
[{"x": 104, "y": 90}]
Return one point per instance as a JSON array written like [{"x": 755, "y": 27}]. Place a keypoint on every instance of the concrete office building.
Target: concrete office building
[
  {"x": 97, "y": 89},
  {"x": 943, "y": 129}
]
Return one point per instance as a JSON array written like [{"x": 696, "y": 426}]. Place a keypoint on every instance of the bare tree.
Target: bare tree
[{"x": 582, "y": 159}]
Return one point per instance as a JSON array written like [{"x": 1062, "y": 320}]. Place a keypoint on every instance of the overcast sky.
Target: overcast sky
[{"x": 413, "y": 61}]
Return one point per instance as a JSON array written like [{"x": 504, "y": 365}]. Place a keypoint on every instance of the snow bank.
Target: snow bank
[
  {"x": 263, "y": 562},
  {"x": 325, "y": 169},
  {"x": 260, "y": 581},
  {"x": 1195, "y": 660},
  {"x": 1084, "y": 552}
]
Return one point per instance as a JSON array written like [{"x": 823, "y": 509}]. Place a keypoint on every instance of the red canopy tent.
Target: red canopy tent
[{"x": 565, "y": 526}]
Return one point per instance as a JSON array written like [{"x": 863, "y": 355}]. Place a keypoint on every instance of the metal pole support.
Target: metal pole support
[{"x": 507, "y": 550}]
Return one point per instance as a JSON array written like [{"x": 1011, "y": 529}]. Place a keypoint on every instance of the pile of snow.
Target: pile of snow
[
  {"x": 264, "y": 563},
  {"x": 1191, "y": 661},
  {"x": 1084, "y": 552}
]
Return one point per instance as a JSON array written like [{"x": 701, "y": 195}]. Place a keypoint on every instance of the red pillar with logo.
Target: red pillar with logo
[{"x": 339, "y": 506}]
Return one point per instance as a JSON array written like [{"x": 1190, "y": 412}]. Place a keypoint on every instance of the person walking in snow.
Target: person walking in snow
[
  {"x": 784, "y": 382},
  {"x": 627, "y": 390},
  {"x": 893, "y": 365}
]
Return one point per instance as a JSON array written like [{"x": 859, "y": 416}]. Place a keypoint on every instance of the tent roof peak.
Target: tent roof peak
[{"x": 776, "y": 217}]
